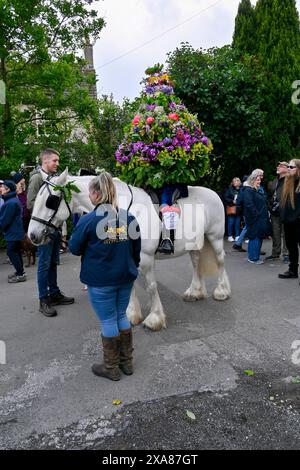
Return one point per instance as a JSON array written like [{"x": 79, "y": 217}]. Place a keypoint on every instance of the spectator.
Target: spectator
[
  {"x": 238, "y": 245},
  {"x": 49, "y": 292},
  {"x": 12, "y": 228},
  {"x": 256, "y": 216},
  {"x": 274, "y": 195},
  {"x": 109, "y": 267},
  {"x": 234, "y": 219},
  {"x": 290, "y": 215},
  {"x": 19, "y": 180},
  {"x": 1, "y": 189}
]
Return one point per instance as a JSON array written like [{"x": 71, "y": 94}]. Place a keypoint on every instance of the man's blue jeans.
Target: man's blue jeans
[
  {"x": 110, "y": 304},
  {"x": 47, "y": 266},
  {"x": 254, "y": 247}
]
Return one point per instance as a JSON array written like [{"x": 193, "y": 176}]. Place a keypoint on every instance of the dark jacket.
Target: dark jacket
[
  {"x": 240, "y": 201},
  {"x": 256, "y": 214},
  {"x": 107, "y": 260},
  {"x": 11, "y": 222},
  {"x": 288, "y": 214},
  {"x": 230, "y": 194},
  {"x": 274, "y": 194}
]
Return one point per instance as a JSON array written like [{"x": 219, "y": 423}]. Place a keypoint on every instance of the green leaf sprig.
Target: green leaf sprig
[{"x": 67, "y": 190}]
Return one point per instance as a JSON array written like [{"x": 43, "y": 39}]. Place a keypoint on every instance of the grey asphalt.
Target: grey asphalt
[{"x": 50, "y": 399}]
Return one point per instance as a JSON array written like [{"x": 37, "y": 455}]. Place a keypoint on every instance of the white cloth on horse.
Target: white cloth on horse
[{"x": 190, "y": 226}]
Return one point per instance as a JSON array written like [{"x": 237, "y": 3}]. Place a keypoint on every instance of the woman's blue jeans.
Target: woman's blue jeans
[
  {"x": 254, "y": 247},
  {"x": 110, "y": 304},
  {"x": 234, "y": 225}
]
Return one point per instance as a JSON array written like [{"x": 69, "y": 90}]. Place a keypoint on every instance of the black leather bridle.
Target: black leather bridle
[{"x": 53, "y": 204}]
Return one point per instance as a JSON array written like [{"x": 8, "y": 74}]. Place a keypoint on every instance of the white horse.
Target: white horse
[{"x": 200, "y": 231}]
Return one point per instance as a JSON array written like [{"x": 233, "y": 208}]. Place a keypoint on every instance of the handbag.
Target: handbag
[{"x": 231, "y": 210}]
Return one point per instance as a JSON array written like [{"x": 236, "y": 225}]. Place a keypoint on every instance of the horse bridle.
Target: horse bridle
[{"x": 48, "y": 223}]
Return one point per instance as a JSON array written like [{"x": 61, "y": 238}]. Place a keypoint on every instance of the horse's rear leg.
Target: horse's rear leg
[
  {"x": 223, "y": 289},
  {"x": 156, "y": 320},
  {"x": 197, "y": 289}
]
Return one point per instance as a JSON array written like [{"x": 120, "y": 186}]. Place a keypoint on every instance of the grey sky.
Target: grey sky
[{"x": 132, "y": 23}]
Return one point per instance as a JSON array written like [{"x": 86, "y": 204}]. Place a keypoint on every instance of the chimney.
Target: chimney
[{"x": 89, "y": 66}]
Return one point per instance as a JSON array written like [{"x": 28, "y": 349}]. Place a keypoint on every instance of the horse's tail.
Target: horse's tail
[{"x": 208, "y": 264}]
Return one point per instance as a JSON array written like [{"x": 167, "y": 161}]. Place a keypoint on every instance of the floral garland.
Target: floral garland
[{"x": 164, "y": 143}]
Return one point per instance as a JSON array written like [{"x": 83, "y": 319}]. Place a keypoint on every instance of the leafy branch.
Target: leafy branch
[{"x": 67, "y": 190}]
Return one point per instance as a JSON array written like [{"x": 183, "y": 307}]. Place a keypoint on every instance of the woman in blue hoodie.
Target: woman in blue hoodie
[
  {"x": 108, "y": 239},
  {"x": 11, "y": 225}
]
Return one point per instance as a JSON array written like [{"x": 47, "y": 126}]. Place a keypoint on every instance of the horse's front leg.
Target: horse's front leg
[
  {"x": 134, "y": 312},
  {"x": 197, "y": 289},
  {"x": 156, "y": 320}
]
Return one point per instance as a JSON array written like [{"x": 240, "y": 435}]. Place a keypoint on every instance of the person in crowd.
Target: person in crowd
[
  {"x": 256, "y": 216},
  {"x": 290, "y": 215},
  {"x": 12, "y": 228},
  {"x": 109, "y": 266},
  {"x": 238, "y": 245},
  {"x": 19, "y": 180},
  {"x": 234, "y": 219},
  {"x": 1, "y": 188},
  {"x": 274, "y": 195},
  {"x": 48, "y": 255}
]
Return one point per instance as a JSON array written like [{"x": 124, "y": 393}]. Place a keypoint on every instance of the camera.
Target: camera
[{"x": 275, "y": 207}]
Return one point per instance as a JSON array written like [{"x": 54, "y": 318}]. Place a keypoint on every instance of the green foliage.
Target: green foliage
[
  {"x": 47, "y": 96},
  {"x": 276, "y": 40},
  {"x": 227, "y": 93},
  {"x": 245, "y": 28},
  {"x": 109, "y": 129},
  {"x": 68, "y": 189}
]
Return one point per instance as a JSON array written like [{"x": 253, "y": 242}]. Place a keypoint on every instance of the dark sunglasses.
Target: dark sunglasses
[{"x": 291, "y": 167}]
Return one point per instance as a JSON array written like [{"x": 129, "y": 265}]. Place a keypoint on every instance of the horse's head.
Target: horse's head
[{"x": 50, "y": 210}]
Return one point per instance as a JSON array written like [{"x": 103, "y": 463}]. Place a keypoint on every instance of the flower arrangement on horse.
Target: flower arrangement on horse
[{"x": 164, "y": 145}]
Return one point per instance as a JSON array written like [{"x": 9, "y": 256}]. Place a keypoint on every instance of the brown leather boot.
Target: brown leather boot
[
  {"x": 126, "y": 350},
  {"x": 111, "y": 356}
]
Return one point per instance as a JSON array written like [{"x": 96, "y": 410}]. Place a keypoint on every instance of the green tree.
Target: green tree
[
  {"x": 245, "y": 26},
  {"x": 278, "y": 38},
  {"x": 109, "y": 129},
  {"x": 227, "y": 93},
  {"x": 277, "y": 42},
  {"x": 46, "y": 90}
]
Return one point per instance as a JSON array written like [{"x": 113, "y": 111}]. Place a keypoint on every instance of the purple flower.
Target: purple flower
[
  {"x": 205, "y": 140},
  {"x": 150, "y": 107},
  {"x": 167, "y": 141},
  {"x": 150, "y": 90}
]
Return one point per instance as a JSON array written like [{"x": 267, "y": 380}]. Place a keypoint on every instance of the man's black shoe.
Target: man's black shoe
[
  {"x": 288, "y": 275},
  {"x": 239, "y": 248},
  {"x": 271, "y": 258},
  {"x": 60, "y": 299},
  {"x": 46, "y": 309},
  {"x": 166, "y": 247}
]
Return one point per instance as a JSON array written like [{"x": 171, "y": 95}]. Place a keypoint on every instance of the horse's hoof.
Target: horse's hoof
[
  {"x": 192, "y": 298},
  {"x": 136, "y": 321},
  {"x": 154, "y": 323},
  {"x": 221, "y": 296}
]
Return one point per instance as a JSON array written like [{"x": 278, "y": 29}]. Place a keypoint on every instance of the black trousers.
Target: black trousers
[
  {"x": 14, "y": 253},
  {"x": 292, "y": 238}
]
